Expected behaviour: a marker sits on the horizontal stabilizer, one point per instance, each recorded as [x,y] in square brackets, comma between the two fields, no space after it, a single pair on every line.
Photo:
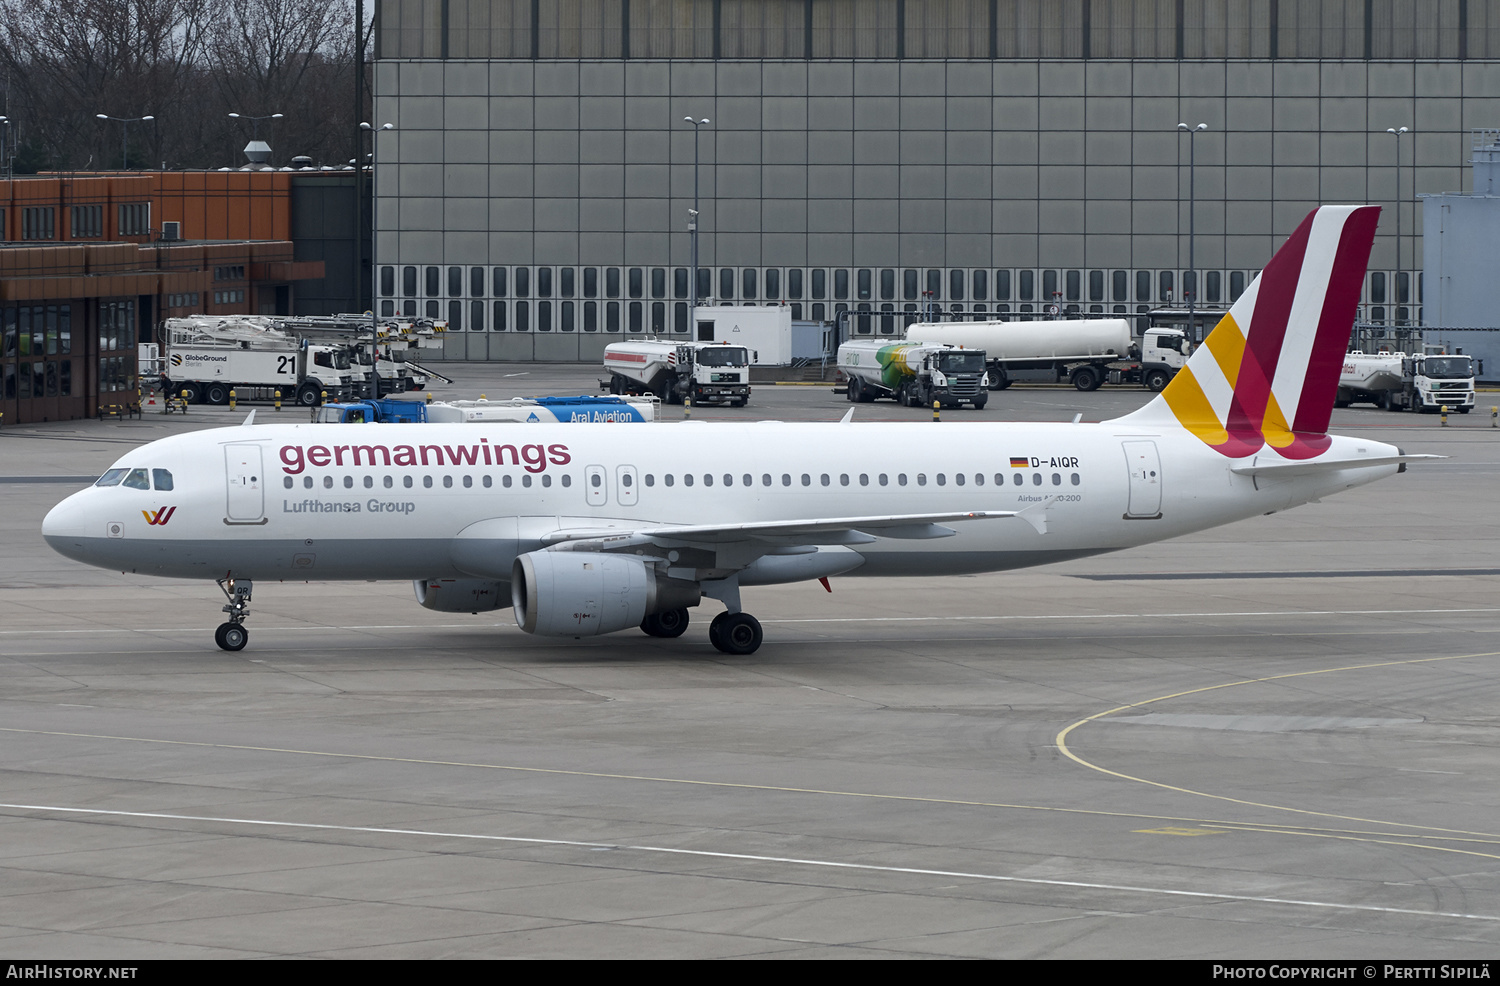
[1278,468]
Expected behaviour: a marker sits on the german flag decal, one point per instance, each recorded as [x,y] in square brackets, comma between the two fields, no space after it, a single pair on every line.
[1019,462]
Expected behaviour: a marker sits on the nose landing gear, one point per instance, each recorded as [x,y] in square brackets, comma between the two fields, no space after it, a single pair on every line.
[233,635]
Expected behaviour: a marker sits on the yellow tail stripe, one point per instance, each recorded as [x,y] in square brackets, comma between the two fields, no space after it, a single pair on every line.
[1193,411]
[1277,432]
[1227,345]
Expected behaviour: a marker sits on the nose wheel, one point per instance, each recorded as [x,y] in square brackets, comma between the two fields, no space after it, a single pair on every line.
[735,633]
[233,635]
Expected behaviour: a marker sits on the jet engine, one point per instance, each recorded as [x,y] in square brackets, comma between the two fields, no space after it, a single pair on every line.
[461,595]
[581,594]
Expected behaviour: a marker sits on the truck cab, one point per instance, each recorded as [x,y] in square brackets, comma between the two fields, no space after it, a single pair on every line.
[1440,381]
[367,412]
[717,373]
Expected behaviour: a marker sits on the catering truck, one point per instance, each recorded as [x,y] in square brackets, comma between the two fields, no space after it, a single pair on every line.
[1398,381]
[914,374]
[1087,352]
[702,372]
[207,356]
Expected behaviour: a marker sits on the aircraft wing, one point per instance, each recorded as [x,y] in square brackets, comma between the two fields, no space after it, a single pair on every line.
[819,530]
[1279,468]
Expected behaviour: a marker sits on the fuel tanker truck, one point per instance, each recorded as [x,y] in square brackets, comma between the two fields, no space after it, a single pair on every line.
[914,374]
[1087,352]
[1398,381]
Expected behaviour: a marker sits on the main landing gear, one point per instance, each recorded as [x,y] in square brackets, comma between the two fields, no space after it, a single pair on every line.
[731,633]
[233,636]
[735,633]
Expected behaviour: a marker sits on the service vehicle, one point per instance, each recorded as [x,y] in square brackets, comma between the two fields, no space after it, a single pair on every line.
[1401,381]
[1087,352]
[703,372]
[583,409]
[207,356]
[913,374]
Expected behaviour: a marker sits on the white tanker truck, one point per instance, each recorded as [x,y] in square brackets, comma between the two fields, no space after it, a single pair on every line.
[1397,381]
[914,374]
[1087,352]
[702,372]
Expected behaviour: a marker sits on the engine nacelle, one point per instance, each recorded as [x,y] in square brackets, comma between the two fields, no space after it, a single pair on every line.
[461,595]
[582,594]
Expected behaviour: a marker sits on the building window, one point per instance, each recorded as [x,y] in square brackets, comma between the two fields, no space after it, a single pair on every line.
[87,221]
[37,223]
[135,219]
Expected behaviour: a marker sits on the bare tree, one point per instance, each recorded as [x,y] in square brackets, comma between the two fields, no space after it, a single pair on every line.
[69,60]
[292,57]
[188,63]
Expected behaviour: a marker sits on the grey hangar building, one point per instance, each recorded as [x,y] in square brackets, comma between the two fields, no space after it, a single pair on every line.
[879,156]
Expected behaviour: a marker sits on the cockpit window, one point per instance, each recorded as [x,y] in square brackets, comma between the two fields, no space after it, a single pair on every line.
[137,480]
[112,478]
[162,478]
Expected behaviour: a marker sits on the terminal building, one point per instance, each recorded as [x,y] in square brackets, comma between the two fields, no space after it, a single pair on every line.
[90,265]
[878,155]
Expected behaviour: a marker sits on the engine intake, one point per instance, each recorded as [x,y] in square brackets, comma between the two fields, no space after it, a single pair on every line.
[461,595]
[582,594]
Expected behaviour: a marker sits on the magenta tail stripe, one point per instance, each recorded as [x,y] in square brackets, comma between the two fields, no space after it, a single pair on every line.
[1273,307]
[1344,285]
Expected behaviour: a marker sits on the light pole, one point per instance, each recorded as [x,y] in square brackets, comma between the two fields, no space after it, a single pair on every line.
[359,209]
[698,126]
[1192,296]
[255,122]
[125,122]
[252,147]
[1396,288]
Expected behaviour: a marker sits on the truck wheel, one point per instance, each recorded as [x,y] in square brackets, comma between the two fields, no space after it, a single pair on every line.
[1156,381]
[1464,409]
[216,393]
[1085,378]
[194,395]
[851,390]
[307,395]
[998,380]
[980,403]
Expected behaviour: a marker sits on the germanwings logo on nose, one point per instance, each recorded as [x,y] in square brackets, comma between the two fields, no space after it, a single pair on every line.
[159,517]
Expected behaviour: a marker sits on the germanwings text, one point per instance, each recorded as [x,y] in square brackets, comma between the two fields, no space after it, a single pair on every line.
[533,458]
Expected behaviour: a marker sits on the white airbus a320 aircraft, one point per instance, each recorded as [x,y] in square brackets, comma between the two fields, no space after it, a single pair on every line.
[590,530]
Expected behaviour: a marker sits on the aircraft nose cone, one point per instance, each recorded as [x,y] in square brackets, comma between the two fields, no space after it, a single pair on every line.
[66,526]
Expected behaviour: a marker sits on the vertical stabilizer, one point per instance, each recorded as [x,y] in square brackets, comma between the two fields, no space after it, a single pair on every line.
[1268,372]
